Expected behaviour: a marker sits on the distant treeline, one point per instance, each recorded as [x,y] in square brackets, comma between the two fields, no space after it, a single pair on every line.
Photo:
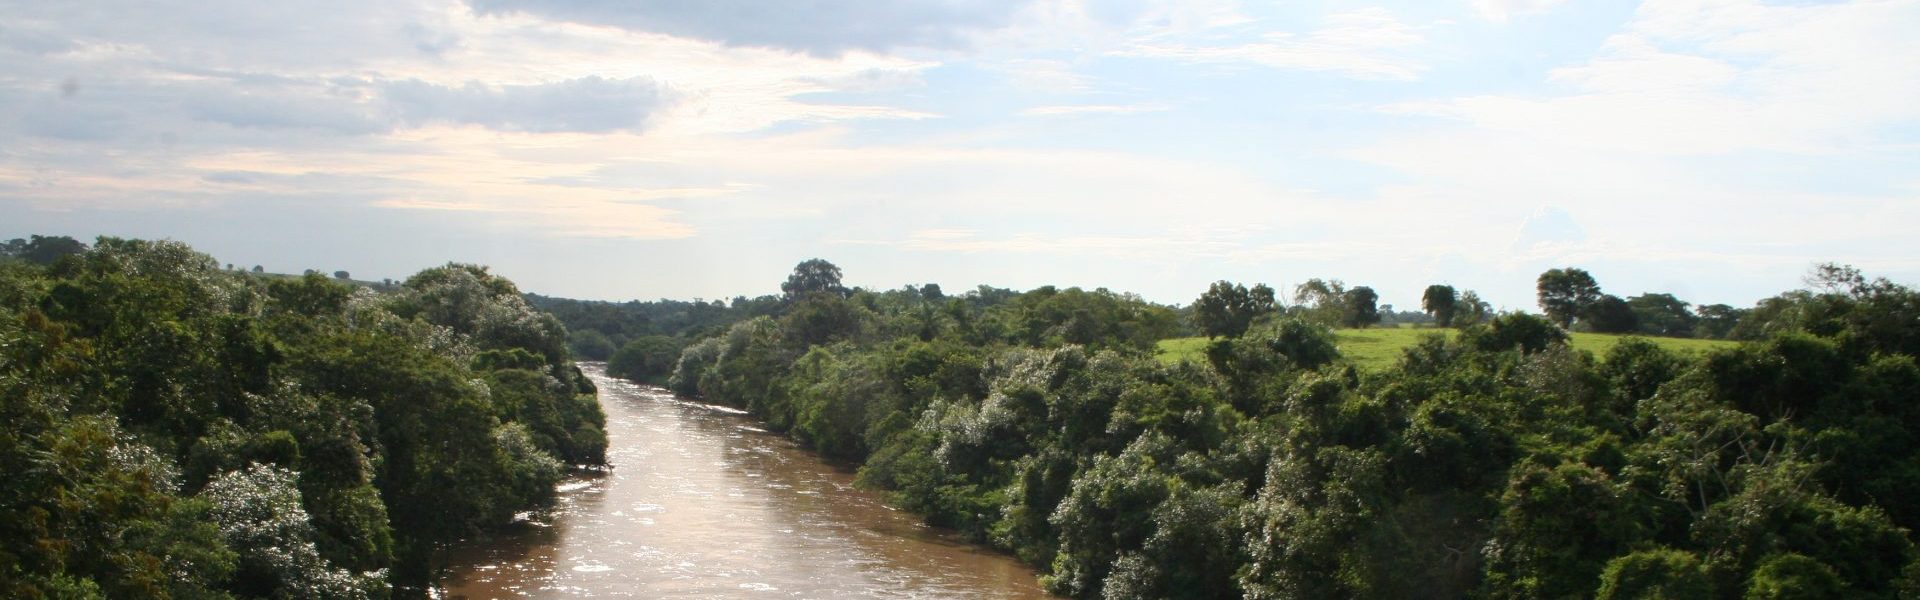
[643,341]
[173,429]
[1569,297]
[1498,464]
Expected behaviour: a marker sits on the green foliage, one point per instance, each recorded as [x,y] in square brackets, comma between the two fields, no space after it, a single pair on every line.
[813,276]
[1716,321]
[88,511]
[838,401]
[1565,294]
[1663,314]
[694,363]
[1472,309]
[1047,317]
[1513,331]
[1794,577]
[1610,314]
[1658,574]
[589,344]
[487,308]
[259,515]
[818,319]
[1107,513]
[649,359]
[1321,301]
[1381,348]
[1504,461]
[1557,528]
[173,429]
[41,250]
[1228,309]
[1358,310]
[1314,504]
[1250,364]
[1440,301]
[622,322]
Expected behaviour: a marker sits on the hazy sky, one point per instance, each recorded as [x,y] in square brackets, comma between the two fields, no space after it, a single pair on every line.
[618,149]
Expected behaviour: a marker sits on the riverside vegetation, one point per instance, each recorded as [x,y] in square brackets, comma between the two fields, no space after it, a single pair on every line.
[1498,462]
[173,429]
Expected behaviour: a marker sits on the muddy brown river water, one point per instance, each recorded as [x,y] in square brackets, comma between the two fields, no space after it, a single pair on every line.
[701,503]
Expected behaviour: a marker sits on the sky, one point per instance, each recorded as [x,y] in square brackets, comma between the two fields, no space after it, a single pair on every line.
[623,149]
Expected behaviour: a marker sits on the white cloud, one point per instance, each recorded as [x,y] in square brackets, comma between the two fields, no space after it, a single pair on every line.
[1500,11]
[587,104]
[816,27]
[1707,134]
[1366,44]
[1056,76]
[407,106]
[1093,109]
[1547,226]
[1183,244]
[1698,78]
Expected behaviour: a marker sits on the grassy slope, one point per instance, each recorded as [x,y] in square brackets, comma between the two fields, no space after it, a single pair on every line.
[1380,347]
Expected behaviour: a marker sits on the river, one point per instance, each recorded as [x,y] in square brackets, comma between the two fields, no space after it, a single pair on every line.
[701,503]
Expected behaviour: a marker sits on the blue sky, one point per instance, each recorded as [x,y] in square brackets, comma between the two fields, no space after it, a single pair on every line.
[618,149]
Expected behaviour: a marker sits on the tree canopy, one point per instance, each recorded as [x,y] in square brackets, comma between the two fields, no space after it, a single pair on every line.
[1440,301]
[1360,309]
[813,276]
[1565,293]
[1502,463]
[174,429]
[1227,309]
[41,250]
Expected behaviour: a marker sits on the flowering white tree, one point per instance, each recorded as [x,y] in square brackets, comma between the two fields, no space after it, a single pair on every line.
[259,514]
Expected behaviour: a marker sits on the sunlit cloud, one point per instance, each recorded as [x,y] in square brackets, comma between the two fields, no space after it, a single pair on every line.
[1153,146]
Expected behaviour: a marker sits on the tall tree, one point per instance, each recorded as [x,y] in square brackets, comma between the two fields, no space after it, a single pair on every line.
[813,276]
[1610,314]
[1360,308]
[1716,320]
[1565,293]
[1440,301]
[1228,309]
[1663,314]
[1471,309]
[1321,300]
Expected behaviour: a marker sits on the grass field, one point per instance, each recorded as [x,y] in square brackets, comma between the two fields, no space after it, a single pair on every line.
[1380,347]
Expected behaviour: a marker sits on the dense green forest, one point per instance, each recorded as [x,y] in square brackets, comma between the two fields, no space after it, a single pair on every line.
[1496,463]
[174,429]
